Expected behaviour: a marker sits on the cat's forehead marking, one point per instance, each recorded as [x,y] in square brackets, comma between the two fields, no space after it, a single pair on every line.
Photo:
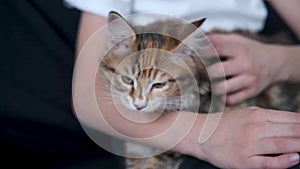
[152,74]
[154,40]
[146,73]
[147,61]
[150,40]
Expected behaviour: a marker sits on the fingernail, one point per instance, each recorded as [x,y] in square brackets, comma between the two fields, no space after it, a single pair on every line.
[294,158]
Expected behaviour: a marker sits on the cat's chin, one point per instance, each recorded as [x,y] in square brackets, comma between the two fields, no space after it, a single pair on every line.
[146,112]
[149,112]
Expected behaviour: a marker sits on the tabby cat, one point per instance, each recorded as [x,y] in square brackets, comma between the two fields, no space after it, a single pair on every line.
[156,68]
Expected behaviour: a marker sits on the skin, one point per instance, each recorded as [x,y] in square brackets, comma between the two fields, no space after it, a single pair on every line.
[248,61]
[256,131]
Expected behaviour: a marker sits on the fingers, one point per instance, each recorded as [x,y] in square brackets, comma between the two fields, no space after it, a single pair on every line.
[238,88]
[240,96]
[226,68]
[227,46]
[235,92]
[235,84]
[240,82]
[277,145]
[283,116]
[277,162]
[282,130]
[217,70]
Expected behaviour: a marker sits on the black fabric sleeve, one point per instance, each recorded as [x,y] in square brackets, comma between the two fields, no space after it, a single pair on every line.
[38,128]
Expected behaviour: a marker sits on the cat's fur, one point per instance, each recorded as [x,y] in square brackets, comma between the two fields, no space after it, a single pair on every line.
[152,80]
[171,73]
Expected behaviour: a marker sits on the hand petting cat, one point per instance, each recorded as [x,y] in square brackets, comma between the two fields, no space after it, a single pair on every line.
[253,66]
[246,65]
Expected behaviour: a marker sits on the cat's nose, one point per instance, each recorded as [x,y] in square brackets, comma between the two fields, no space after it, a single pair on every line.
[140,106]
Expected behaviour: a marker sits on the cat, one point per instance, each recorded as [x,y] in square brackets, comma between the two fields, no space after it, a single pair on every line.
[157,85]
[149,69]
[156,68]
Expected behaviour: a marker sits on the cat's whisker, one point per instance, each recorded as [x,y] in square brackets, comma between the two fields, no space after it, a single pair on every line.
[150,103]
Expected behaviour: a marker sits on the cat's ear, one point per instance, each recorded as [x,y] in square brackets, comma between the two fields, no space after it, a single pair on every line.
[193,45]
[192,42]
[120,33]
[199,22]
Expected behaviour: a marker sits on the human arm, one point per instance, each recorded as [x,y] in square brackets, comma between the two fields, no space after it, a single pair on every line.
[88,25]
[289,12]
[215,149]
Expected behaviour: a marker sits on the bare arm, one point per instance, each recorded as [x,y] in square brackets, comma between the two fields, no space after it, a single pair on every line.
[88,25]
[289,11]
[291,59]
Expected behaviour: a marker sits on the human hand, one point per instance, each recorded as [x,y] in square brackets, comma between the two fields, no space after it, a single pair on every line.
[251,65]
[246,138]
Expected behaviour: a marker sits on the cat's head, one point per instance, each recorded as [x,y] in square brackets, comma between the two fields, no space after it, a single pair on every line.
[149,71]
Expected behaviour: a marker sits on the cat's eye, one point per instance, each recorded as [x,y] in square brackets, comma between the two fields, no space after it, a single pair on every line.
[127,80]
[159,85]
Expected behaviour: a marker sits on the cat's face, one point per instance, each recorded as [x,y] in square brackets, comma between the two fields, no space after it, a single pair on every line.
[145,83]
[145,90]
[146,71]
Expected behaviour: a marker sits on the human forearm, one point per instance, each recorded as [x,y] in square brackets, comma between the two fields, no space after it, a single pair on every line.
[289,59]
[166,131]
[289,12]
[88,25]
